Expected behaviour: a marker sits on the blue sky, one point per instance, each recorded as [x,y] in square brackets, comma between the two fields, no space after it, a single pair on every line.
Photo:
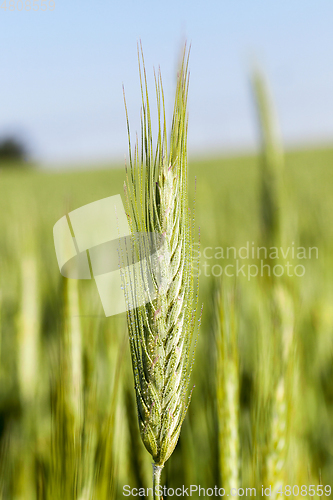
[62,72]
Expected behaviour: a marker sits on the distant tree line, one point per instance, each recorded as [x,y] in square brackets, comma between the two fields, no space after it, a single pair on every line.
[12,152]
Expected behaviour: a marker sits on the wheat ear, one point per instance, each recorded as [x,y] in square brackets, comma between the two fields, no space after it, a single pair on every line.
[278,443]
[228,392]
[272,161]
[161,331]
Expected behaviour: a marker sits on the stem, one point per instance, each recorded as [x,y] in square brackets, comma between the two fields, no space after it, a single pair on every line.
[157,469]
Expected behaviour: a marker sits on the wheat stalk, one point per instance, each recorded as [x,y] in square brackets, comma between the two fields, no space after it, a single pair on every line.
[161,331]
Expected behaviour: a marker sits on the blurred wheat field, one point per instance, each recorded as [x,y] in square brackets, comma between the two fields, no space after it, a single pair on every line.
[262,407]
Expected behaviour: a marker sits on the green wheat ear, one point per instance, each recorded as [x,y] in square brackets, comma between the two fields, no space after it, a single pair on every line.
[272,160]
[161,331]
[227,393]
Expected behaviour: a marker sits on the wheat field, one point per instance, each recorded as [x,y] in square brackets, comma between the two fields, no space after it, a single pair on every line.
[261,412]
